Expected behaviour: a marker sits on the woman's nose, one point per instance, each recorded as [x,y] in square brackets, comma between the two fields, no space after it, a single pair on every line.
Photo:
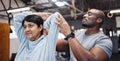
[26,29]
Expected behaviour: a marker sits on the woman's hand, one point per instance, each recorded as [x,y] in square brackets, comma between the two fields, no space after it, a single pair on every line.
[44,15]
[45,32]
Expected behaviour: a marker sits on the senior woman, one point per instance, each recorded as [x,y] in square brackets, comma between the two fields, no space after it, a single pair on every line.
[33,45]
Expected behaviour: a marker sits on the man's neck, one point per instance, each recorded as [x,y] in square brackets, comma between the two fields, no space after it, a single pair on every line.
[92,31]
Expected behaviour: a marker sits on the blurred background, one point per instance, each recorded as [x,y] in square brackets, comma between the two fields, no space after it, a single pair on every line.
[72,11]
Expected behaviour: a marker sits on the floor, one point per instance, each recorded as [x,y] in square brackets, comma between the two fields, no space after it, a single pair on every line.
[114,57]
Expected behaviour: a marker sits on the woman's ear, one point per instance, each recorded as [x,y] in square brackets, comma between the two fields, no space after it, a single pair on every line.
[99,20]
[41,27]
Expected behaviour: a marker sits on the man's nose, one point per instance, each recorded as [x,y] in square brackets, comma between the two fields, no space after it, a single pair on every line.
[85,15]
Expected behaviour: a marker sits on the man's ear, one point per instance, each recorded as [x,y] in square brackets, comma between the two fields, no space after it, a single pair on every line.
[99,20]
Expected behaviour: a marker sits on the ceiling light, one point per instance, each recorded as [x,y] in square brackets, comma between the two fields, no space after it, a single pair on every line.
[115,11]
[18,10]
[54,0]
[60,3]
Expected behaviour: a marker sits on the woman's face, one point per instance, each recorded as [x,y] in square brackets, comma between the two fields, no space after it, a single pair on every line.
[32,31]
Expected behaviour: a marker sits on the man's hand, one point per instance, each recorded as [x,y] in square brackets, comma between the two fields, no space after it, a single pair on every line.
[63,25]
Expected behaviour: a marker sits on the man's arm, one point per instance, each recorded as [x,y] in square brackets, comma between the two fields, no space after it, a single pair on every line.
[62,45]
[80,53]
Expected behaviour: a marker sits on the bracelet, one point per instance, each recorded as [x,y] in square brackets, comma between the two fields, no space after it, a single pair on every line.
[69,35]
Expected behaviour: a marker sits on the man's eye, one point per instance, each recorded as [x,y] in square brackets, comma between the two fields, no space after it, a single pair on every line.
[89,14]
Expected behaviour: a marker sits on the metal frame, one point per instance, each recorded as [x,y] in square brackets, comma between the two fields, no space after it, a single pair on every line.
[5,9]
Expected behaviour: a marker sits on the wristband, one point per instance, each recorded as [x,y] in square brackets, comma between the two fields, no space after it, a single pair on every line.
[69,36]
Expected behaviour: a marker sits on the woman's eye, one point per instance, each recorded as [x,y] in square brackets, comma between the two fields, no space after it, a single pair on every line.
[30,26]
[24,26]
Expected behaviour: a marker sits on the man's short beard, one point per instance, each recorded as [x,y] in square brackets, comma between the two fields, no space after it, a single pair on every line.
[87,26]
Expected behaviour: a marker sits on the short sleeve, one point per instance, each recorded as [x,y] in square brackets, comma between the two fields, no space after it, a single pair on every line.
[106,44]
